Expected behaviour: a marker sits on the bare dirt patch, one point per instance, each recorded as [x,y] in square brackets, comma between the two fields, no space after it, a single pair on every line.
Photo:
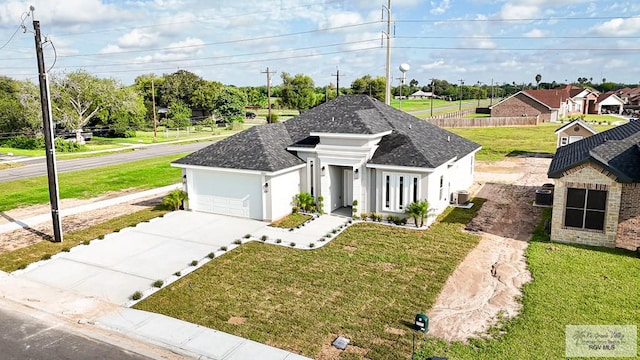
[237,320]
[16,239]
[488,282]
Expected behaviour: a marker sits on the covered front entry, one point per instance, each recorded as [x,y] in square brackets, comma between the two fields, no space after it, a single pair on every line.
[340,192]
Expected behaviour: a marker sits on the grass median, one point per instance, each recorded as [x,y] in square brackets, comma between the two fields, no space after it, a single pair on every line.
[366,284]
[82,184]
[20,258]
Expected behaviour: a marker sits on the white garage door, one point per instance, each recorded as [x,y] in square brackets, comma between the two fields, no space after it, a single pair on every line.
[226,193]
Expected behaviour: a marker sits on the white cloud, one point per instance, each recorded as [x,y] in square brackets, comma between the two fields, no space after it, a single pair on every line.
[440,7]
[534,33]
[138,39]
[342,19]
[511,11]
[619,27]
[433,65]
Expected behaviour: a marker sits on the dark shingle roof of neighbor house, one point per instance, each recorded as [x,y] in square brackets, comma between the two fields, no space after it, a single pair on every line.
[412,141]
[616,150]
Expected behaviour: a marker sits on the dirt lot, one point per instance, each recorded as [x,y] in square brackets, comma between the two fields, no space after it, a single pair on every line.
[24,237]
[487,284]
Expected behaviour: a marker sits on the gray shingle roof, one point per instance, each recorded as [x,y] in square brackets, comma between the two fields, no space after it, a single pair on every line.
[615,149]
[261,148]
[412,142]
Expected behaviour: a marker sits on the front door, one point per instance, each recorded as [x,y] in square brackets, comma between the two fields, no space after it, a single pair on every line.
[347,187]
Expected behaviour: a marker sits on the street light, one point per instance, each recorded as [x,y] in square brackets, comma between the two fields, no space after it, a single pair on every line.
[404,67]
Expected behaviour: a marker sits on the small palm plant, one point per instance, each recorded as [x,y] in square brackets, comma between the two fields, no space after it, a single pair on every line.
[418,211]
[174,199]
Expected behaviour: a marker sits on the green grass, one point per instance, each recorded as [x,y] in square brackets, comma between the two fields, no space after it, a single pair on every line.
[141,174]
[22,257]
[573,285]
[21,152]
[498,142]
[366,284]
[474,116]
[291,221]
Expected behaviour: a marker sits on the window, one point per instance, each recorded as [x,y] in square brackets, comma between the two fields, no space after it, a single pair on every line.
[311,177]
[564,141]
[441,187]
[399,190]
[573,139]
[585,209]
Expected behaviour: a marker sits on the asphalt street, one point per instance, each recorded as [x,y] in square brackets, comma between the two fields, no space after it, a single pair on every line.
[38,167]
[25,337]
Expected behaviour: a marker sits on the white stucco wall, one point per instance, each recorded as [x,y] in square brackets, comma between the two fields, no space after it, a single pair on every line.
[282,189]
[208,187]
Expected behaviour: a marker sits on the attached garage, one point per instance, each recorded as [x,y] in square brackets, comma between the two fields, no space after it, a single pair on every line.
[226,193]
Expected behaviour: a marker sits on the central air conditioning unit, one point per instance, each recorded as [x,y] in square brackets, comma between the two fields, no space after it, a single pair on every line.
[460,197]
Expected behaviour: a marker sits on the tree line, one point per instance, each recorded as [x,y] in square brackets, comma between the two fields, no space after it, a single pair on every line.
[81,100]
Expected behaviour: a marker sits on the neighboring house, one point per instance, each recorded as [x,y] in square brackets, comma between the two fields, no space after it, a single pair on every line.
[549,105]
[353,148]
[609,103]
[572,132]
[597,189]
[420,95]
[525,104]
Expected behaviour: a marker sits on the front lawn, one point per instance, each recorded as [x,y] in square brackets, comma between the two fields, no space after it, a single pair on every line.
[367,284]
[573,285]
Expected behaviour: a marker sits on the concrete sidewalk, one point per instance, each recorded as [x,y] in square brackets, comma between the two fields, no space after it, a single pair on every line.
[39,219]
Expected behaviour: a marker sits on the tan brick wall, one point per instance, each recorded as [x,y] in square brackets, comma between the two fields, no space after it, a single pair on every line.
[629,222]
[520,105]
[586,176]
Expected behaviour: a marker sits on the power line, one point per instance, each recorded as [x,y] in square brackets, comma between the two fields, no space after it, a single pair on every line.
[24,16]
[519,19]
[516,37]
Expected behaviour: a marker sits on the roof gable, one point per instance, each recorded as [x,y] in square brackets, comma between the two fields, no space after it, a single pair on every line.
[579,123]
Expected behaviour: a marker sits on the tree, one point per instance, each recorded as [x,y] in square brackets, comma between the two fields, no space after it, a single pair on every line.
[179,115]
[12,117]
[255,96]
[370,85]
[230,103]
[179,86]
[205,95]
[297,92]
[538,79]
[78,96]
[126,111]
[143,85]
[29,97]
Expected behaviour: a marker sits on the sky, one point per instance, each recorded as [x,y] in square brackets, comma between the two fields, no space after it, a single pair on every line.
[234,42]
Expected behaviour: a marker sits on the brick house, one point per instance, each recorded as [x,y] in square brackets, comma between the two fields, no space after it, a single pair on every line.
[597,189]
[549,105]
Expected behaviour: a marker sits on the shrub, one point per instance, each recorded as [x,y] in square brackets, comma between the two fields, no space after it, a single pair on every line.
[364,216]
[246,236]
[65,249]
[174,199]
[418,211]
[65,146]
[278,241]
[354,207]
[390,218]
[294,210]
[46,257]
[177,273]
[136,295]
[158,283]
[273,119]
[303,201]
[264,238]
[237,241]
[292,244]
[320,204]
[194,263]
[100,237]
[312,245]
[223,248]
[211,255]
[86,242]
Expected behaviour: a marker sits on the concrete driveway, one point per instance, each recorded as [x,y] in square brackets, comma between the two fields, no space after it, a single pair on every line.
[132,259]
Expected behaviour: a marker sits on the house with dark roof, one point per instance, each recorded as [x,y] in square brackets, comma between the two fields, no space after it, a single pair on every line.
[573,131]
[596,199]
[353,148]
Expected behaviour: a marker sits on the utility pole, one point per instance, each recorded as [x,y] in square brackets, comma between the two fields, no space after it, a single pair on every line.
[337,75]
[433,92]
[52,173]
[461,83]
[387,96]
[153,105]
[491,101]
[268,93]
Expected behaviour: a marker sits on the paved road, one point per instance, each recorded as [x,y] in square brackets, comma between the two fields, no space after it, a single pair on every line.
[25,337]
[38,167]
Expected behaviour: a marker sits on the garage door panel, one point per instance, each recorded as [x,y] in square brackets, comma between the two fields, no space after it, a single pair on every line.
[227,194]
